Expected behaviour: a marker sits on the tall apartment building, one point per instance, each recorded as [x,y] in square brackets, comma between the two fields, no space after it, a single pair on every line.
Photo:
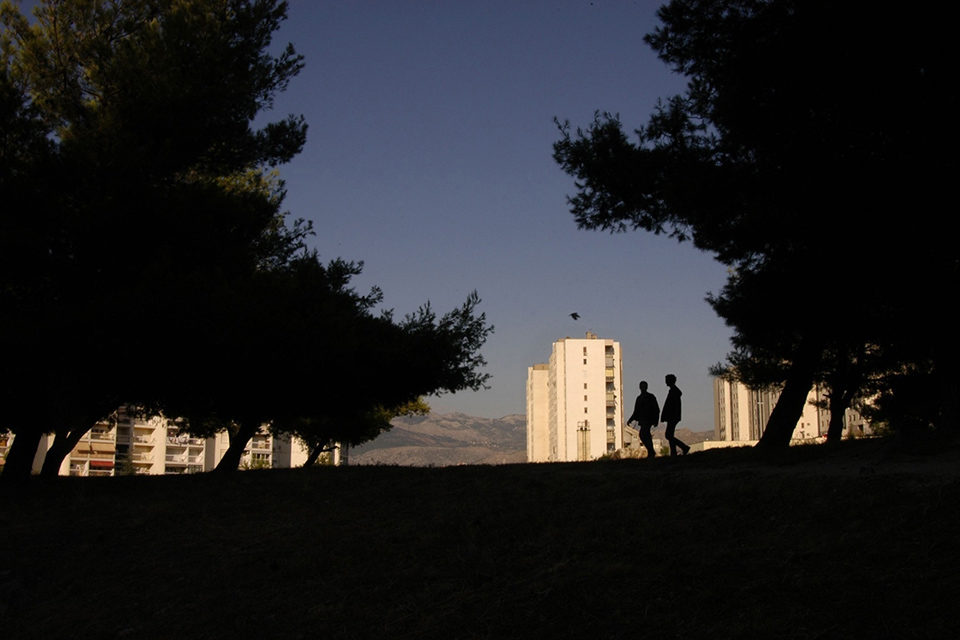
[740,414]
[575,401]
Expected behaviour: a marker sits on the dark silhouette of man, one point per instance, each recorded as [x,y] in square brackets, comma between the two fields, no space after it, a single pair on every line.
[646,413]
[671,415]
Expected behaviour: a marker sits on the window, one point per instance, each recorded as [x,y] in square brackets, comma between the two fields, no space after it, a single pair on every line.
[584,398]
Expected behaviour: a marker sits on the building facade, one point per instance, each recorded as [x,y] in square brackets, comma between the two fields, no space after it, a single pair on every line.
[740,414]
[538,413]
[130,444]
[574,401]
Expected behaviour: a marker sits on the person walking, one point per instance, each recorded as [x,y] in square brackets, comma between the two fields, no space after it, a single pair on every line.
[671,415]
[646,413]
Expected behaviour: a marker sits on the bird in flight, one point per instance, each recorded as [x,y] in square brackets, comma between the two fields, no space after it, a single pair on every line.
[575,316]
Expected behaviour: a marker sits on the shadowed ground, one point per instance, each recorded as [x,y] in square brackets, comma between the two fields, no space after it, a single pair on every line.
[856,541]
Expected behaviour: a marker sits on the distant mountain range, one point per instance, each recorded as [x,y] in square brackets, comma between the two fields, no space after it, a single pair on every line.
[445,439]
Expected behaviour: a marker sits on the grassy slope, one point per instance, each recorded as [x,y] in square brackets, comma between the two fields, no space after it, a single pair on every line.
[854,542]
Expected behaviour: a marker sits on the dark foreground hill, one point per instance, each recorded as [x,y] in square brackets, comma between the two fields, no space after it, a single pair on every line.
[859,541]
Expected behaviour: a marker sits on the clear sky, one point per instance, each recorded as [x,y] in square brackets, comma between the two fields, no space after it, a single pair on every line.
[429,158]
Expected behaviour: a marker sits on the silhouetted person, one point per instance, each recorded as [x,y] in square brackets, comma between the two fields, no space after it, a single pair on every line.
[646,413]
[671,415]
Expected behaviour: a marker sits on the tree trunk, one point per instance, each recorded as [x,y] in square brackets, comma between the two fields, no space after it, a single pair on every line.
[63,444]
[20,456]
[950,404]
[784,417]
[845,383]
[839,403]
[312,457]
[315,454]
[238,441]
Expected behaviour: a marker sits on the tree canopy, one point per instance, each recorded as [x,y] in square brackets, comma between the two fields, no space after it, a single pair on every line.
[301,353]
[138,194]
[145,256]
[807,153]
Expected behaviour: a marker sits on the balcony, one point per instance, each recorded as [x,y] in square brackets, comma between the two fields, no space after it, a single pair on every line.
[98,455]
[183,459]
[184,440]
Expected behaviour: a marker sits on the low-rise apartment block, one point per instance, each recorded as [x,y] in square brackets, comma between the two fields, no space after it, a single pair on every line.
[127,443]
[741,414]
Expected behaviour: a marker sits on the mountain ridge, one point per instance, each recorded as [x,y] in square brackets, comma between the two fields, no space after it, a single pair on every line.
[456,438]
[443,439]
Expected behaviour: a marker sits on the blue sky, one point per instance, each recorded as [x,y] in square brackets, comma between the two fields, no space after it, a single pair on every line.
[429,158]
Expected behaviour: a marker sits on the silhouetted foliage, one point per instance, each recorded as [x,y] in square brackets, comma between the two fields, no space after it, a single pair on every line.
[302,353]
[353,426]
[807,154]
[149,259]
[136,195]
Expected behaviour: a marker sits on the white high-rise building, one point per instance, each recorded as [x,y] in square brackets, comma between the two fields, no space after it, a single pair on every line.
[575,402]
